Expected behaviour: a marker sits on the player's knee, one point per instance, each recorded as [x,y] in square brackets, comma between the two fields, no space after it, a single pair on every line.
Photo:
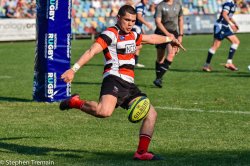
[237,42]
[171,56]
[235,46]
[212,50]
[104,112]
[152,113]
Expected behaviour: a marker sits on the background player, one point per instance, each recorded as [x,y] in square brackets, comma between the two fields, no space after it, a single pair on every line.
[140,13]
[225,27]
[169,22]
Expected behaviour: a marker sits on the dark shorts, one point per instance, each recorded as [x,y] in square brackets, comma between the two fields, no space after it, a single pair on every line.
[122,90]
[221,31]
[164,45]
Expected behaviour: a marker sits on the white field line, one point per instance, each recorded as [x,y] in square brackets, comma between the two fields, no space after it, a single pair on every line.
[5,77]
[200,110]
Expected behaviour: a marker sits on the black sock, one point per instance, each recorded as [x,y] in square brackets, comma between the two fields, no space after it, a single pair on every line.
[231,53]
[209,57]
[163,68]
[168,63]
[157,69]
[136,59]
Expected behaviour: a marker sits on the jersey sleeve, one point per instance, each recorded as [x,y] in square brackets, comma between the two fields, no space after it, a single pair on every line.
[104,40]
[158,11]
[181,11]
[138,39]
[226,7]
[139,9]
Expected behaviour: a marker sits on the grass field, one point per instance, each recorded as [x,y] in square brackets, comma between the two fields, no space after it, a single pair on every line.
[204,118]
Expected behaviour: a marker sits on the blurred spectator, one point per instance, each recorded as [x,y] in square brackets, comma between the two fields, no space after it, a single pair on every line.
[200,7]
[19,8]
[96,4]
[244,9]
[10,9]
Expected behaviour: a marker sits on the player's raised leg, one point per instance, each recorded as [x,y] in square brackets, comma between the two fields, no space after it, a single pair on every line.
[103,109]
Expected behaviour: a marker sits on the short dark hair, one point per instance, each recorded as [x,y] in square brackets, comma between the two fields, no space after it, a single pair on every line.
[126,9]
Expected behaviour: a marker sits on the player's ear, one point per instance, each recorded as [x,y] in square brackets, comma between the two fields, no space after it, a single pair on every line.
[118,17]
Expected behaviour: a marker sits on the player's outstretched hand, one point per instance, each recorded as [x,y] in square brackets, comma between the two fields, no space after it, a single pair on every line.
[68,76]
[177,43]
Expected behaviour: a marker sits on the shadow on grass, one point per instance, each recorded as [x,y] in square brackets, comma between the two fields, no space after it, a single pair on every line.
[14,99]
[241,75]
[33,150]
[87,157]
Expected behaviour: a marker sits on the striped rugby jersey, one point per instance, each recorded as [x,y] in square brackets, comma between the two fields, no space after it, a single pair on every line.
[119,51]
[140,8]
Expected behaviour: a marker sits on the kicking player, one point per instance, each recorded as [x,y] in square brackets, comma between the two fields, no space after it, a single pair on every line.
[118,44]
[169,22]
[225,27]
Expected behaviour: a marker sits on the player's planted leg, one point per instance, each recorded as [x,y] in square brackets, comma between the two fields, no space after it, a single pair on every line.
[146,133]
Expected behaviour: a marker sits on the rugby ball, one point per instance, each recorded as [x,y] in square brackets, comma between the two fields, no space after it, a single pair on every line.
[138,109]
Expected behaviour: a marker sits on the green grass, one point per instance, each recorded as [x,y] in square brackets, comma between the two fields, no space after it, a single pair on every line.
[204,118]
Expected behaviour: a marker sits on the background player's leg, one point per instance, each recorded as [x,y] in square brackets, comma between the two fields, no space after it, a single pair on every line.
[235,43]
[211,52]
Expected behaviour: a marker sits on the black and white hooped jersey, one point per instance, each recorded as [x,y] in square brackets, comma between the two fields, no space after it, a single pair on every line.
[119,51]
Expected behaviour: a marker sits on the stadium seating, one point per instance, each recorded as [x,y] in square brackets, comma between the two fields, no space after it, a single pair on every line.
[86,18]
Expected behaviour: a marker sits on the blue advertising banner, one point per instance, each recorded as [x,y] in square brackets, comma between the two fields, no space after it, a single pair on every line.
[53,50]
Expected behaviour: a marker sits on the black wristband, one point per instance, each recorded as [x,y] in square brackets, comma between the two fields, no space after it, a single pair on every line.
[181,34]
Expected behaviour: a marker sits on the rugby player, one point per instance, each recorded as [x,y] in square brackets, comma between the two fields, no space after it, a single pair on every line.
[118,44]
[169,22]
[225,27]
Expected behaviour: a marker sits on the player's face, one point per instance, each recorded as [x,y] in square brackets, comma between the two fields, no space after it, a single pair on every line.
[145,2]
[126,22]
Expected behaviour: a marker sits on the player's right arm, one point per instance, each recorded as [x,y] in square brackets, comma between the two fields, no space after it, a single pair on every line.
[69,74]
[142,20]
[161,27]
[230,21]
[158,19]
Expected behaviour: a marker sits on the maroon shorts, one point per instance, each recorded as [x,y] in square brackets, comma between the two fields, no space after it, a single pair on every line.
[121,89]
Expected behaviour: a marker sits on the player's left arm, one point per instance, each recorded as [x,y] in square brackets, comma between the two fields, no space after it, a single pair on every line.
[181,28]
[158,39]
